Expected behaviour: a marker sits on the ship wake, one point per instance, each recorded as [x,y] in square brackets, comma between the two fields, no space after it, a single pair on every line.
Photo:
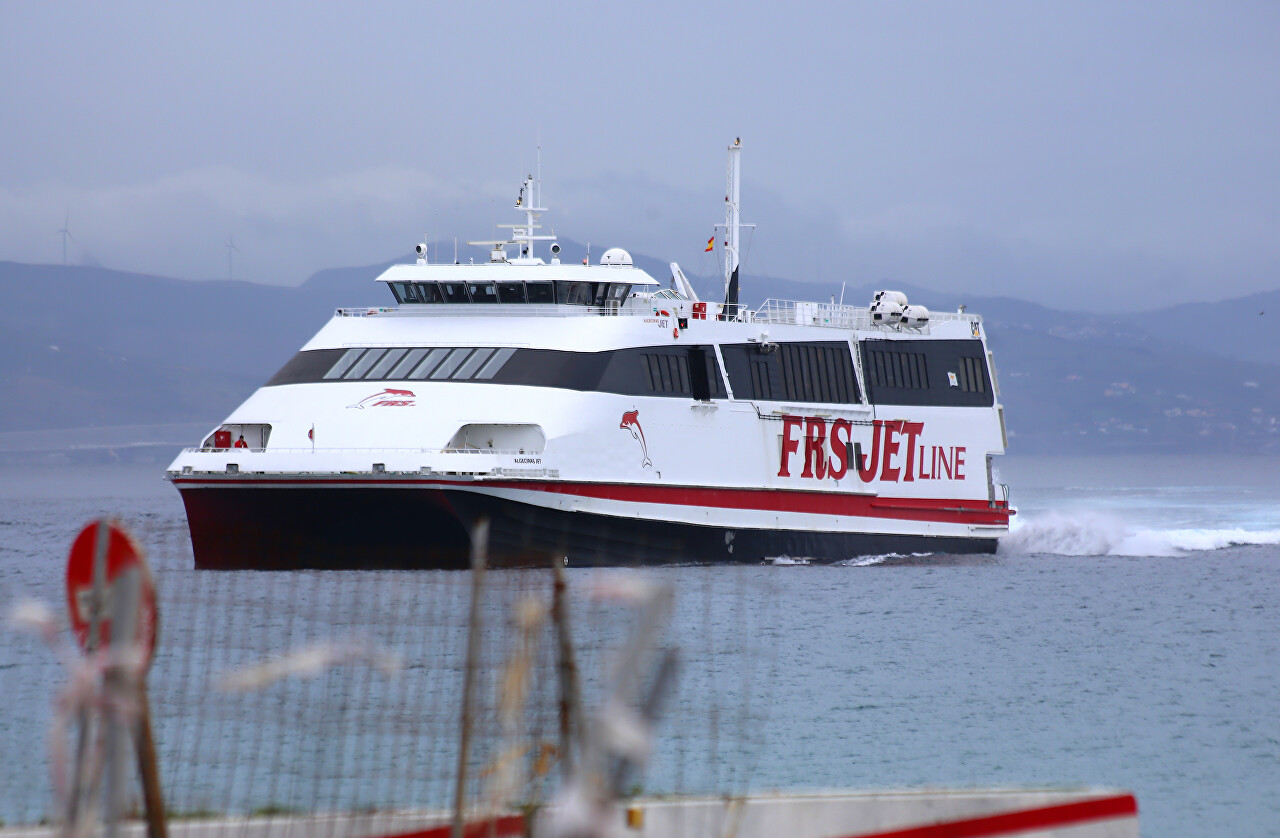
[1103,534]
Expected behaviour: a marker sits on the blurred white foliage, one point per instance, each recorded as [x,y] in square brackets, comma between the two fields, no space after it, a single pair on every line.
[308,662]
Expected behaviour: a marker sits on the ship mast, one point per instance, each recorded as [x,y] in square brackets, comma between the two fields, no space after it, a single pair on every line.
[529,201]
[733,233]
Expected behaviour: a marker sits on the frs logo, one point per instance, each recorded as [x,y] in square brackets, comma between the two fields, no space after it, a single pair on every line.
[895,455]
[631,422]
[387,398]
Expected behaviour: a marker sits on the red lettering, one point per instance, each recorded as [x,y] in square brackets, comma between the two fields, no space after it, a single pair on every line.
[912,431]
[815,459]
[839,449]
[789,445]
[867,472]
[959,452]
[924,475]
[941,455]
[891,429]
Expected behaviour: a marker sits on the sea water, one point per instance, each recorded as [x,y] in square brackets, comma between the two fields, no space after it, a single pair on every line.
[1126,634]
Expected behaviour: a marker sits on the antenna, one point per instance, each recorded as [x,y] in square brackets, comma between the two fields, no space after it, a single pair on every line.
[65,231]
[455,250]
[231,248]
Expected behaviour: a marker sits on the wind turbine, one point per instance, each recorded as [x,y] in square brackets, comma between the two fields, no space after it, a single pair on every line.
[65,231]
[231,248]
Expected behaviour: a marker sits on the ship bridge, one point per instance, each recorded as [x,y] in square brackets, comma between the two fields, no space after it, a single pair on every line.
[602,285]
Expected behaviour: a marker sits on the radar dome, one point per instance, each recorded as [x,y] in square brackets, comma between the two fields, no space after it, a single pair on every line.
[616,257]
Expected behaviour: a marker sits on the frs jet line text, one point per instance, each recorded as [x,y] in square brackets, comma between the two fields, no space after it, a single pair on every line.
[895,454]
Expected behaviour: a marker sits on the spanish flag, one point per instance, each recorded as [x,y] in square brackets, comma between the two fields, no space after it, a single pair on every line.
[711,243]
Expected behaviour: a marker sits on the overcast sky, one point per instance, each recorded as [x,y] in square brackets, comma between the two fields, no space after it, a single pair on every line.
[1066,153]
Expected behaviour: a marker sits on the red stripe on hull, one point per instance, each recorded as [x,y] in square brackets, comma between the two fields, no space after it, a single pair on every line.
[941,510]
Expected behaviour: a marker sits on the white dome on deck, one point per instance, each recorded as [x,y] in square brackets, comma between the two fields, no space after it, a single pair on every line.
[617,257]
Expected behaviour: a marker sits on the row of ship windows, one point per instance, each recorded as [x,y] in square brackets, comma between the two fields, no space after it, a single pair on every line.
[560,292]
[820,372]
[454,364]
[910,371]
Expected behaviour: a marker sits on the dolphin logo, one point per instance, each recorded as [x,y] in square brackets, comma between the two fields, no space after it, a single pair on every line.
[631,422]
[386,398]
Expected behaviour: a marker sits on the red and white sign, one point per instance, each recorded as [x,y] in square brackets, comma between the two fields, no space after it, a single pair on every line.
[122,553]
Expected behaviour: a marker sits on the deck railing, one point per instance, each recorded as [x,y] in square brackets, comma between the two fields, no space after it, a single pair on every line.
[771,311]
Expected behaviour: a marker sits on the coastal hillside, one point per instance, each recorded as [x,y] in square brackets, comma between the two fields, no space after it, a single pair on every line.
[91,347]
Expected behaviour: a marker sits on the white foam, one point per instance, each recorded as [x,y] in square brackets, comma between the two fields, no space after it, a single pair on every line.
[1105,534]
[868,561]
[786,561]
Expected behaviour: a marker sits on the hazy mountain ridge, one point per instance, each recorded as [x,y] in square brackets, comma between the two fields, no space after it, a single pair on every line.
[91,347]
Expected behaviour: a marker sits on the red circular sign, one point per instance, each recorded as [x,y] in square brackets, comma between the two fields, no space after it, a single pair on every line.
[122,553]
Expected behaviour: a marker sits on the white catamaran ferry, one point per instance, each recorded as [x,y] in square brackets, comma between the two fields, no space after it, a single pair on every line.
[595,417]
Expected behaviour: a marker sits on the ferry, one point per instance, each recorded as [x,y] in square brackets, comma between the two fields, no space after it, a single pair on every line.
[593,415]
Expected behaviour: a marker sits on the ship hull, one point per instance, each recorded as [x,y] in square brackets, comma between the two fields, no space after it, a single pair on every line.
[340,524]
[323,527]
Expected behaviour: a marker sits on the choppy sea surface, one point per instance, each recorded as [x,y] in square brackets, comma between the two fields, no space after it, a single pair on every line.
[1126,634]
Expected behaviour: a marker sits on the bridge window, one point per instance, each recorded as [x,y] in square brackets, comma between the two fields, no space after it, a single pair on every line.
[454,292]
[574,293]
[429,292]
[540,292]
[511,292]
[483,292]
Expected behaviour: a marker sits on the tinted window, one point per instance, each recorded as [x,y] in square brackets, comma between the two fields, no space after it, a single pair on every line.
[483,292]
[428,292]
[404,292]
[818,372]
[511,292]
[429,363]
[314,365]
[574,293]
[454,292]
[362,366]
[474,361]
[927,372]
[494,364]
[343,364]
[406,365]
[451,362]
[679,371]
[540,292]
[386,362]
